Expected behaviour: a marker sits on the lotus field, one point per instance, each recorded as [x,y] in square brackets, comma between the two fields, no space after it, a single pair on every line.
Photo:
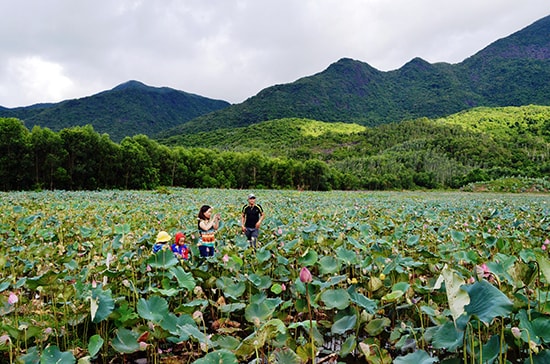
[350,277]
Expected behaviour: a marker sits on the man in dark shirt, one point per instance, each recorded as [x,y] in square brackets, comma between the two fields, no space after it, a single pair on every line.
[252,216]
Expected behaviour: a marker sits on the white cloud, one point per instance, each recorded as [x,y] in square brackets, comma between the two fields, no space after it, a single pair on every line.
[231,50]
[38,79]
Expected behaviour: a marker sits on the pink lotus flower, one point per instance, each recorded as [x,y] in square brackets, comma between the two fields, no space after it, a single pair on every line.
[305,275]
[13,299]
[484,272]
[283,287]
[225,258]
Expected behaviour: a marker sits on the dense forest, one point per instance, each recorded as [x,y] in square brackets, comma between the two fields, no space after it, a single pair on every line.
[477,145]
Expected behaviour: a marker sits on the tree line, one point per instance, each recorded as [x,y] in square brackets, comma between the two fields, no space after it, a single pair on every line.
[407,155]
[78,158]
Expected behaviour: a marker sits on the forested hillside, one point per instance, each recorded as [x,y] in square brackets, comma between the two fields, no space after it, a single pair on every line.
[512,71]
[129,109]
[477,145]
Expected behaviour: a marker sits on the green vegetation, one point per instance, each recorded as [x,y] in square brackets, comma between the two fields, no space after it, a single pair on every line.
[510,184]
[411,277]
[129,109]
[480,145]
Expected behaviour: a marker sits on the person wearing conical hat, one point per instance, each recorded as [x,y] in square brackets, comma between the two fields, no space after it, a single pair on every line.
[162,238]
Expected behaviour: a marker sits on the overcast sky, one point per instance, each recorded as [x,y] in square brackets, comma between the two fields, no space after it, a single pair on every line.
[53,50]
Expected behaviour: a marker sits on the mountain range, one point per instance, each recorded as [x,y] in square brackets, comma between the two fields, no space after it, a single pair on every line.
[128,109]
[511,71]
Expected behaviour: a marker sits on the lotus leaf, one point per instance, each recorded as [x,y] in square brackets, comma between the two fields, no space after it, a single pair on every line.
[227,342]
[413,240]
[377,325]
[102,304]
[374,284]
[232,307]
[186,331]
[163,259]
[256,279]
[355,243]
[344,324]
[346,256]
[544,265]
[328,265]
[276,288]
[542,357]
[456,297]
[123,229]
[359,299]
[154,309]
[348,346]
[263,255]
[94,345]
[535,327]
[308,259]
[457,236]
[185,279]
[257,313]
[230,288]
[490,350]
[43,280]
[448,337]
[285,356]
[31,357]
[125,341]
[486,301]
[260,337]
[52,355]
[4,285]
[335,298]
[392,296]
[310,229]
[418,357]
[173,323]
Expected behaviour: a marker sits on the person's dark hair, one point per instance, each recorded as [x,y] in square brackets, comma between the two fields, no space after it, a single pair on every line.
[203,209]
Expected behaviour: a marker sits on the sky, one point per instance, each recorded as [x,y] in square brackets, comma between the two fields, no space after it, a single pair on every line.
[231,49]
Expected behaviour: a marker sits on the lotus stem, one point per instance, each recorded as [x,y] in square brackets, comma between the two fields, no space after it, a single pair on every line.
[310,326]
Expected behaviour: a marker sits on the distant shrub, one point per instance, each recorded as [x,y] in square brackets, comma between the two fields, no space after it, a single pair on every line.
[163,190]
[510,184]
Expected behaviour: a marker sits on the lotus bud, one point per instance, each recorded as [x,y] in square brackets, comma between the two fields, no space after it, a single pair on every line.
[197,316]
[516,332]
[305,275]
[12,299]
[5,340]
